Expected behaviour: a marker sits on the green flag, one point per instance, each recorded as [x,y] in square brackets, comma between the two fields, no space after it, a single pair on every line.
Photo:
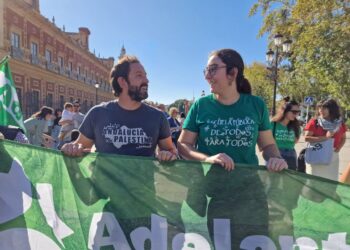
[104,201]
[10,110]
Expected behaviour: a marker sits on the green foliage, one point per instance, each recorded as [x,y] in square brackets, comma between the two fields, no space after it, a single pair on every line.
[262,85]
[179,104]
[320,31]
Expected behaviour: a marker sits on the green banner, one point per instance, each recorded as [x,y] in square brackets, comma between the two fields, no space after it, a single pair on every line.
[10,109]
[100,201]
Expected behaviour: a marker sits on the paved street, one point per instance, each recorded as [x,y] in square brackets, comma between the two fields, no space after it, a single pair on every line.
[344,156]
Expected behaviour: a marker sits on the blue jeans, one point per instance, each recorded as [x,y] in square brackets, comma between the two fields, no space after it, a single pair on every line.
[290,156]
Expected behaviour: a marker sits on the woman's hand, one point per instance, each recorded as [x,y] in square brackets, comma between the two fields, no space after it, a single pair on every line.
[329,134]
[222,159]
[275,164]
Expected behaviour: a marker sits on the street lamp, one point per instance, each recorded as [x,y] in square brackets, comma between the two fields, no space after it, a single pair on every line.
[203,93]
[273,59]
[97,85]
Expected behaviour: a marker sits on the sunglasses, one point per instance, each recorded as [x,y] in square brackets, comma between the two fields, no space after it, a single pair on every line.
[295,112]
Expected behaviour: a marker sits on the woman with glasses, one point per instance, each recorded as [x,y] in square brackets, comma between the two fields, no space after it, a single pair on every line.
[286,130]
[327,124]
[223,129]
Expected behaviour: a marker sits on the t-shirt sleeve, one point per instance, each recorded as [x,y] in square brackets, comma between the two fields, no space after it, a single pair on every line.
[87,127]
[190,121]
[265,123]
[164,130]
[310,126]
[66,115]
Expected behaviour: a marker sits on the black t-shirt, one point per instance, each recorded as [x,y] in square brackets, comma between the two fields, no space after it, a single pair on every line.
[125,132]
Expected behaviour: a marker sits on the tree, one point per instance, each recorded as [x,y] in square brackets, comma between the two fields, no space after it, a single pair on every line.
[320,30]
[179,104]
[262,85]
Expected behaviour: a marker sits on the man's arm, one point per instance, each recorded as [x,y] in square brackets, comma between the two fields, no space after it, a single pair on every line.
[167,150]
[78,147]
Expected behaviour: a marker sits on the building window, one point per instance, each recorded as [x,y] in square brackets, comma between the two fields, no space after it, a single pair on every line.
[78,70]
[48,56]
[70,65]
[60,61]
[71,99]
[49,99]
[34,49]
[15,40]
[61,101]
[35,100]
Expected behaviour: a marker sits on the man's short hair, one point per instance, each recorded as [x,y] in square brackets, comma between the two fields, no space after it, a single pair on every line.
[121,69]
[68,105]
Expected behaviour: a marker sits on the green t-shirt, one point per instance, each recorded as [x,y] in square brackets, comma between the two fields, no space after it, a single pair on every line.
[231,129]
[285,138]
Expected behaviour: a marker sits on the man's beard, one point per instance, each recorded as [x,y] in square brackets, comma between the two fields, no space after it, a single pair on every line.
[136,94]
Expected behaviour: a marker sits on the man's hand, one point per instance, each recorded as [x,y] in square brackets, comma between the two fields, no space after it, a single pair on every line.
[276,164]
[73,149]
[164,155]
[222,159]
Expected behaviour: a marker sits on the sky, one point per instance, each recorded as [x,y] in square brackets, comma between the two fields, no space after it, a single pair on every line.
[172,39]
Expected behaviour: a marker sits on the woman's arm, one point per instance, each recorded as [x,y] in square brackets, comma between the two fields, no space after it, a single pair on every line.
[185,145]
[270,151]
[310,137]
[186,148]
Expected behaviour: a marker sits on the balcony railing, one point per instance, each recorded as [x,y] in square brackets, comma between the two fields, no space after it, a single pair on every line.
[34,59]
[51,66]
[61,70]
[17,53]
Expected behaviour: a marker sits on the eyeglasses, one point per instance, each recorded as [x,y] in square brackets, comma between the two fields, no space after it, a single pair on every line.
[295,112]
[211,70]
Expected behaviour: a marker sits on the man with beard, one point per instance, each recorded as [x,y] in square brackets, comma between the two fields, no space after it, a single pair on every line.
[125,126]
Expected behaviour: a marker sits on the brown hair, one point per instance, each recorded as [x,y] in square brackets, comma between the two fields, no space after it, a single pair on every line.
[332,106]
[43,112]
[233,59]
[68,105]
[121,69]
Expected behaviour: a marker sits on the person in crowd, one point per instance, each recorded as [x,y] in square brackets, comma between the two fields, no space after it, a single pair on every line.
[13,133]
[223,129]
[126,126]
[35,125]
[66,122]
[162,108]
[102,123]
[286,130]
[182,118]
[56,127]
[326,124]
[175,126]
[77,117]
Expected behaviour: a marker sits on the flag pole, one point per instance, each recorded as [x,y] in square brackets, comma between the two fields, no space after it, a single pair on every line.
[5,59]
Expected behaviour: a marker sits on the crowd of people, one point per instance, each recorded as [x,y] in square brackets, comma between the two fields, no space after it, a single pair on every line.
[223,128]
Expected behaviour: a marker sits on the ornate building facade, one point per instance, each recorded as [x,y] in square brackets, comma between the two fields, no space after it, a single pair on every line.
[49,65]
